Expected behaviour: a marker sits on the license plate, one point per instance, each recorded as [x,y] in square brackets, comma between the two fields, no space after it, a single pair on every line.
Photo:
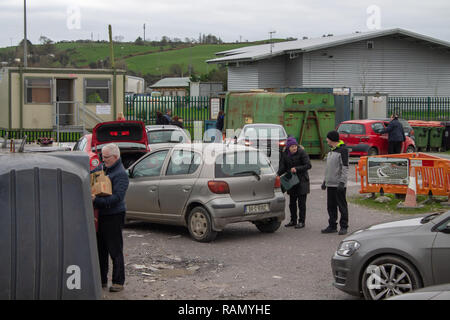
[257,208]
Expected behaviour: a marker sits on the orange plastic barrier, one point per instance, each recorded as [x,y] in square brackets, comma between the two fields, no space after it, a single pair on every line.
[432,175]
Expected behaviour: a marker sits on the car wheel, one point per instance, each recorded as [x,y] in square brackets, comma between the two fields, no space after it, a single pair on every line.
[200,226]
[389,276]
[410,149]
[372,152]
[268,226]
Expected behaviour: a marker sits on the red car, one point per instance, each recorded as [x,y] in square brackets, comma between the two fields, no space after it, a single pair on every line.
[130,137]
[363,137]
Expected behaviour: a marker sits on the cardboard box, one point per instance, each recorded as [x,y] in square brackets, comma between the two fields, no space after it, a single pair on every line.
[100,184]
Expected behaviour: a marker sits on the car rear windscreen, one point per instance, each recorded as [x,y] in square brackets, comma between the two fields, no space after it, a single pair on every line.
[119,132]
[268,132]
[352,128]
[241,163]
[165,136]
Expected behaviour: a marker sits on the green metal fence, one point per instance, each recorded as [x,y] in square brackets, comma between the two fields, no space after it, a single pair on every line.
[191,110]
[34,134]
[420,108]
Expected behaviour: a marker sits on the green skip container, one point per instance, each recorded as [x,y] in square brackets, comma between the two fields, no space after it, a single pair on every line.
[306,116]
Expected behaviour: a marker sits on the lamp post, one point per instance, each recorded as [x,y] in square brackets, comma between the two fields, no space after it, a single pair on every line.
[25,62]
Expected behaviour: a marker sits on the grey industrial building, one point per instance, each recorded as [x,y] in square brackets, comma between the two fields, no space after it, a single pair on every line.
[395,62]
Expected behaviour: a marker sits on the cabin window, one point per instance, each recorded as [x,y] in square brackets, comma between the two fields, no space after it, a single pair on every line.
[97,91]
[38,90]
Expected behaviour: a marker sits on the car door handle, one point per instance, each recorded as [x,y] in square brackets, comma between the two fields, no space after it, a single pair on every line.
[187,188]
[152,189]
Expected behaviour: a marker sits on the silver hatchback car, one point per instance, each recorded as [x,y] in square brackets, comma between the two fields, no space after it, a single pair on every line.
[205,187]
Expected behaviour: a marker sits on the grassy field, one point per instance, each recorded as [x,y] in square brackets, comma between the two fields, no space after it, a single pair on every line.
[392,205]
[160,62]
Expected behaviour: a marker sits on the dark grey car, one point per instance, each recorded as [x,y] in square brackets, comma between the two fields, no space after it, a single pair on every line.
[394,258]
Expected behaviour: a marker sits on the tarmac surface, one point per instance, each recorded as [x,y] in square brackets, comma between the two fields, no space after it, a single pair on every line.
[164,263]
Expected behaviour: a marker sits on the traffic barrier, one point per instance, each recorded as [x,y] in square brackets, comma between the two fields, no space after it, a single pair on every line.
[431,174]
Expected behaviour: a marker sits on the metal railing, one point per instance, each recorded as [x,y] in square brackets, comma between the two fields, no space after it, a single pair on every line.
[420,108]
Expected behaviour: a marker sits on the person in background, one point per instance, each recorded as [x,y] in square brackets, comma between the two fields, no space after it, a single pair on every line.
[176,122]
[111,210]
[220,121]
[168,117]
[335,182]
[159,118]
[296,161]
[396,135]
[120,116]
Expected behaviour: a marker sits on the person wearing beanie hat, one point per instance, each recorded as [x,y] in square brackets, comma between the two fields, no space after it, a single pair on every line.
[335,183]
[295,160]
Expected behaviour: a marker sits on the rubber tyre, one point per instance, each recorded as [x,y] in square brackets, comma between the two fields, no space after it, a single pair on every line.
[410,149]
[200,226]
[408,277]
[268,226]
[372,152]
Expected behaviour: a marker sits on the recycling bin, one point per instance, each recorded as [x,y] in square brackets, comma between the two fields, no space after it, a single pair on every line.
[48,246]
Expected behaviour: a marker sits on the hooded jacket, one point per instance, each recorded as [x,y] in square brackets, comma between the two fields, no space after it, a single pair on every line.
[337,166]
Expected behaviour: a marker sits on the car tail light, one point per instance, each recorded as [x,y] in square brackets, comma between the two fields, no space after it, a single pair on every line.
[282,143]
[219,187]
[94,162]
[247,143]
[411,133]
[277,183]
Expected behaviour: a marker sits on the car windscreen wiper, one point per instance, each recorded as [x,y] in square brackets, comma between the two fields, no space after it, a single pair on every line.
[253,172]
[430,217]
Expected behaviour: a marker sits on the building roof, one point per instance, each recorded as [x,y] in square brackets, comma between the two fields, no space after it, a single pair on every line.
[172,83]
[260,52]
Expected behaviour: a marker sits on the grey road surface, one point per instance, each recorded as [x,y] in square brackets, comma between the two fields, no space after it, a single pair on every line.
[163,262]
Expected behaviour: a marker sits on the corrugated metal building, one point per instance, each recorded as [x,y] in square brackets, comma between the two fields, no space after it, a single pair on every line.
[394,62]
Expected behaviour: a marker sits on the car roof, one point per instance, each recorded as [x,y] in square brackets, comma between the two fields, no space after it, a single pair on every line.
[263,125]
[364,121]
[216,148]
[162,126]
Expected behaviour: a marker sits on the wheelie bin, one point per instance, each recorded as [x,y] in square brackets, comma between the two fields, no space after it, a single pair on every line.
[436,135]
[421,134]
[446,135]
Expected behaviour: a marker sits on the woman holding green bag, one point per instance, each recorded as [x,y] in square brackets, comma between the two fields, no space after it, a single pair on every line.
[295,160]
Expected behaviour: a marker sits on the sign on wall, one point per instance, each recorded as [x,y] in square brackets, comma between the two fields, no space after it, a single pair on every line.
[215,108]
[103,109]
[388,170]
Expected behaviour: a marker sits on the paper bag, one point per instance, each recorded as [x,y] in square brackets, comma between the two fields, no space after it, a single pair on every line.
[100,184]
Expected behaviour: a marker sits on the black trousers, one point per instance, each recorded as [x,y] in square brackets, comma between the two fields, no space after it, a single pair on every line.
[395,147]
[300,200]
[337,199]
[110,243]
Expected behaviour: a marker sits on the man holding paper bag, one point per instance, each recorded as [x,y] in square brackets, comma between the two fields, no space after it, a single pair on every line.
[295,161]
[111,219]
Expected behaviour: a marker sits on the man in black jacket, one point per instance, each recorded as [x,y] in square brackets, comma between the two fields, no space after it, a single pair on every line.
[396,135]
[111,219]
[296,161]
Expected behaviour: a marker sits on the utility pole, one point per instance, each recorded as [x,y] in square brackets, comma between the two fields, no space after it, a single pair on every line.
[144,32]
[271,44]
[25,62]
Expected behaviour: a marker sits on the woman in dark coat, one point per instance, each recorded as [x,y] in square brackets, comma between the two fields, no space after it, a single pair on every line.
[295,160]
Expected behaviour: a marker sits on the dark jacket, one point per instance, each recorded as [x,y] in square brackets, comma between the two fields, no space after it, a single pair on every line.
[167,119]
[160,119]
[177,123]
[219,123]
[395,130]
[114,203]
[299,161]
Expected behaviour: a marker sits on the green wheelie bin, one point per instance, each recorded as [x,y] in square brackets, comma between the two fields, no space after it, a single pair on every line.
[421,134]
[436,136]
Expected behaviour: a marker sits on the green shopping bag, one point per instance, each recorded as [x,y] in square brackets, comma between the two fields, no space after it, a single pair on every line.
[289,180]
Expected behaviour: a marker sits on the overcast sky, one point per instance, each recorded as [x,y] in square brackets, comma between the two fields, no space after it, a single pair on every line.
[230,20]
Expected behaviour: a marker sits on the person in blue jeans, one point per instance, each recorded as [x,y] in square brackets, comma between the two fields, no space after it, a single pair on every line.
[111,219]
